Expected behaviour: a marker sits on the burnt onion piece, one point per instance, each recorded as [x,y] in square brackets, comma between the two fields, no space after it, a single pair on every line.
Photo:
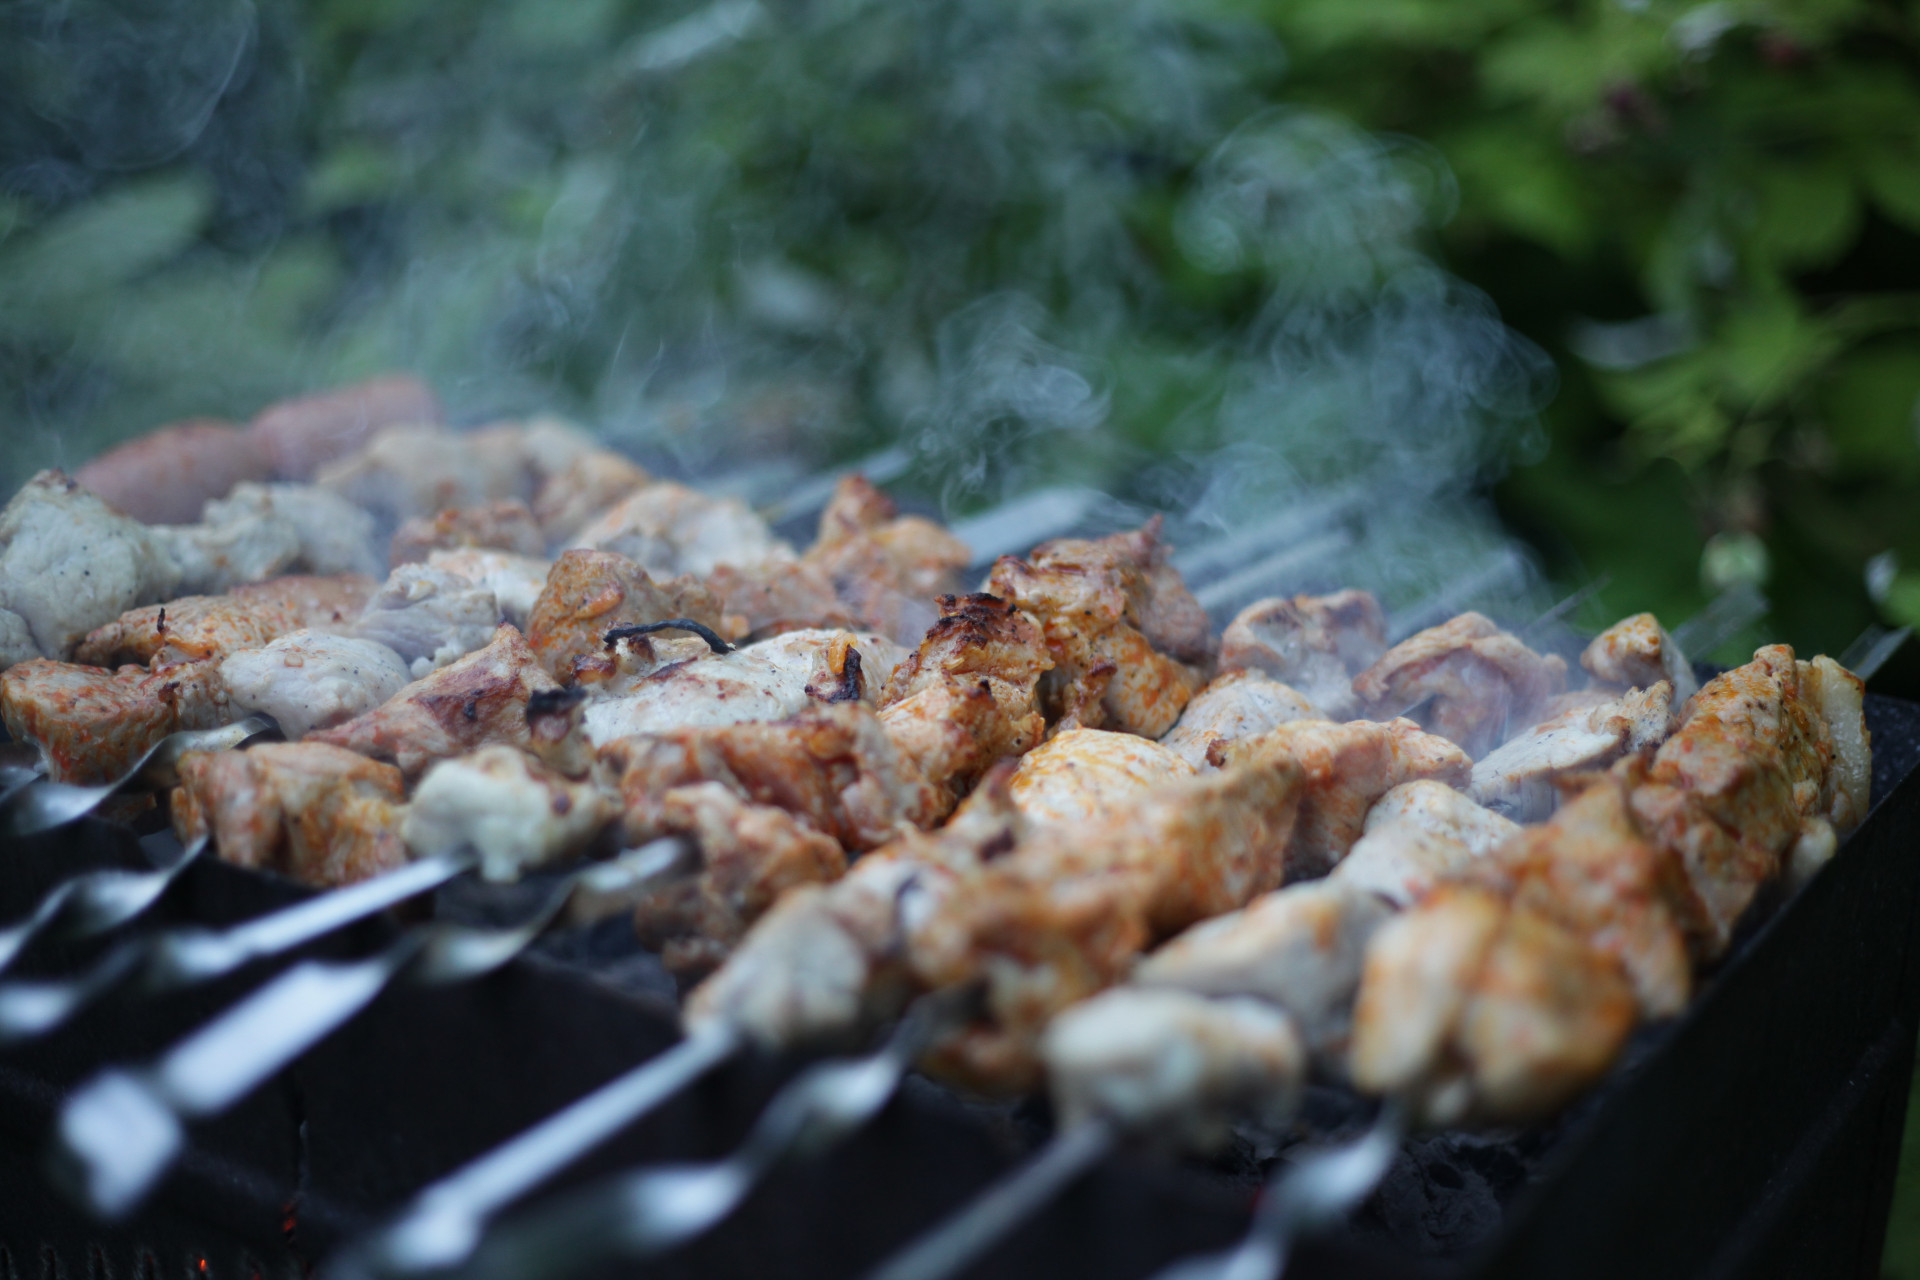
[714,642]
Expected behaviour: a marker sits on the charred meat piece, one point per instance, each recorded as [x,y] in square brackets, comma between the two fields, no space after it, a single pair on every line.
[69,563]
[208,628]
[886,569]
[770,680]
[670,529]
[1315,644]
[90,724]
[1417,835]
[299,435]
[1299,948]
[168,474]
[480,699]
[1174,1067]
[1638,653]
[1748,781]
[313,812]
[750,855]
[1077,775]
[1465,679]
[589,593]
[832,765]
[309,680]
[507,525]
[967,698]
[1120,624]
[514,811]
[1477,1008]
[1518,776]
[1344,769]
[1235,705]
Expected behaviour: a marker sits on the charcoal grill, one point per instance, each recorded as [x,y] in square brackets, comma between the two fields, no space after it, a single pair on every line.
[1756,1136]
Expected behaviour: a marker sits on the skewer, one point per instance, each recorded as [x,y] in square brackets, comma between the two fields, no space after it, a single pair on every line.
[120,1132]
[1871,649]
[95,902]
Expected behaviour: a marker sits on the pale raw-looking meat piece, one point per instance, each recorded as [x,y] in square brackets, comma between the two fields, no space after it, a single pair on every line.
[828,961]
[1298,948]
[515,580]
[968,697]
[507,525]
[831,764]
[16,640]
[750,855]
[215,558]
[1465,679]
[1417,835]
[515,812]
[69,563]
[333,536]
[416,469]
[886,568]
[309,680]
[480,699]
[1315,644]
[1475,1009]
[1120,624]
[166,475]
[298,435]
[316,813]
[205,628]
[589,593]
[90,724]
[1175,1068]
[1345,767]
[770,680]
[1236,705]
[1638,653]
[1075,776]
[1518,777]
[670,529]
[429,616]
[1591,870]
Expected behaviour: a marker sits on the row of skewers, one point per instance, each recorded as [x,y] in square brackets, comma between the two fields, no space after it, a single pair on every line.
[1054,829]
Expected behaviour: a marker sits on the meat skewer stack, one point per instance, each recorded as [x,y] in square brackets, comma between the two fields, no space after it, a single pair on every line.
[887,791]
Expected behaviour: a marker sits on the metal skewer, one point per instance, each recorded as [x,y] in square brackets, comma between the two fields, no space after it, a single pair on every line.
[1871,649]
[95,902]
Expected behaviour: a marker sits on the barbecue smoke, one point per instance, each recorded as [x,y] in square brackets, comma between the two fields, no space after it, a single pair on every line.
[1069,242]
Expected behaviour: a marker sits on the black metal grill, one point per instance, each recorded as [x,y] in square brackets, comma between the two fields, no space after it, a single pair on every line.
[1757,1135]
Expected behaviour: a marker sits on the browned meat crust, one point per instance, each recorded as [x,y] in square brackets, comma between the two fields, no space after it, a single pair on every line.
[589,593]
[887,569]
[504,526]
[207,628]
[317,813]
[91,724]
[480,699]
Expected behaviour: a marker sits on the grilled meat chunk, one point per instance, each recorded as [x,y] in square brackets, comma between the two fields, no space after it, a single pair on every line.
[1478,1008]
[507,525]
[1172,1066]
[831,764]
[1465,679]
[416,469]
[428,616]
[1747,780]
[478,700]
[580,488]
[887,569]
[589,593]
[1298,948]
[90,725]
[16,640]
[670,529]
[516,581]
[1121,627]
[1345,768]
[208,628]
[309,680]
[316,813]
[765,599]
[516,812]
[1235,705]
[1077,775]
[260,531]
[1638,653]
[168,474]
[297,436]
[69,563]
[750,855]
[1315,644]
[968,696]
[770,680]
[1518,776]
[1417,835]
